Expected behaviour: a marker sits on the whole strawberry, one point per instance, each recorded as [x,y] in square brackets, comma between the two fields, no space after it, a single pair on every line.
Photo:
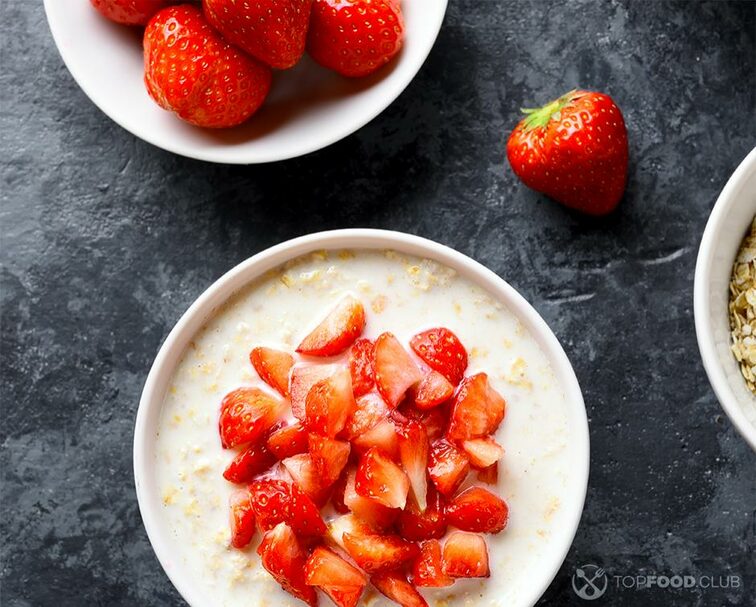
[130,12]
[574,150]
[192,71]
[355,37]
[272,31]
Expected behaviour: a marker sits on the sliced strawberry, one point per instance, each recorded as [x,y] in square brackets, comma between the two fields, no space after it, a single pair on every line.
[242,518]
[367,509]
[477,509]
[374,553]
[246,413]
[348,523]
[369,410]
[285,559]
[342,582]
[288,440]
[271,501]
[395,586]
[361,366]
[329,403]
[489,475]
[305,517]
[433,390]
[413,453]
[382,436]
[483,452]
[416,526]
[302,470]
[448,466]
[248,463]
[427,570]
[379,478]
[329,457]
[443,351]
[337,331]
[477,410]
[273,367]
[465,555]
[435,421]
[303,378]
[395,371]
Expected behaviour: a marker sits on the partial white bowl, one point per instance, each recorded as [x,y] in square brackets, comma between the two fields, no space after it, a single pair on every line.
[729,222]
[308,109]
[148,416]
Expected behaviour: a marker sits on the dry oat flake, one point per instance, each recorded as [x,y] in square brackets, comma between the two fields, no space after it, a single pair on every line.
[743,307]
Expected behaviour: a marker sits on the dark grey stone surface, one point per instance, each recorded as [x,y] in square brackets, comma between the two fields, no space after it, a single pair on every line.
[107,240]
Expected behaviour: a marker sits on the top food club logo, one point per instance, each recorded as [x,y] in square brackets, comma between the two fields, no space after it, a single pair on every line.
[590,582]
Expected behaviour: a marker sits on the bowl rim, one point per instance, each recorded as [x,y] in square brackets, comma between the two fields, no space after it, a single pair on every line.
[306,145]
[701,305]
[354,238]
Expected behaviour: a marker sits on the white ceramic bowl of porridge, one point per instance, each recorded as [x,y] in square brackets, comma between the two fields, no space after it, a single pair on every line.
[408,284]
[729,222]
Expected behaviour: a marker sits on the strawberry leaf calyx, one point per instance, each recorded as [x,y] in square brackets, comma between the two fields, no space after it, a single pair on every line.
[540,117]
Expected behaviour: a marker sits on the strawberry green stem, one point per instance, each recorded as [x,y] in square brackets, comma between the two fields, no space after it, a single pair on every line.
[539,117]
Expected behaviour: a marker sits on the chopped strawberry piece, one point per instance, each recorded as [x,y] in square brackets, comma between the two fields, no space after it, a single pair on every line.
[285,559]
[427,570]
[369,510]
[248,463]
[382,435]
[477,410]
[465,555]
[337,331]
[342,582]
[302,470]
[442,351]
[477,509]
[288,440]
[337,495]
[416,526]
[242,518]
[329,403]
[348,523]
[489,475]
[273,367]
[304,516]
[374,553]
[379,478]
[413,453]
[483,452]
[329,457]
[361,366]
[433,390]
[395,371]
[271,501]
[395,586]
[246,413]
[303,378]
[369,410]
[435,421]
[448,466]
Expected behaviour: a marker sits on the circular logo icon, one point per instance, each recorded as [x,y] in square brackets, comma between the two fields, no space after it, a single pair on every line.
[590,582]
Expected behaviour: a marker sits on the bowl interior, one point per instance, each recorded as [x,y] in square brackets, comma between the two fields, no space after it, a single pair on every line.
[174,346]
[729,222]
[309,107]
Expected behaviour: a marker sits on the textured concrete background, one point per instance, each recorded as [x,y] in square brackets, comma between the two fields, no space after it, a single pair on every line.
[107,240]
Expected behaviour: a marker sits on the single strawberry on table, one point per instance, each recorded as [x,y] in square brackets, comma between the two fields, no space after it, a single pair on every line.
[130,12]
[355,37]
[272,31]
[192,71]
[574,150]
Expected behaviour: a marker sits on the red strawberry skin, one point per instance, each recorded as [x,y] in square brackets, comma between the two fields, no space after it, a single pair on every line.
[574,150]
[443,351]
[272,31]
[246,413]
[285,559]
[355,37]
[130,12]
[192,71]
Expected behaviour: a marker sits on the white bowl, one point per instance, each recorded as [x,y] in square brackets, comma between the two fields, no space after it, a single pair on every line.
[168,357]
[308,109]
[729,222]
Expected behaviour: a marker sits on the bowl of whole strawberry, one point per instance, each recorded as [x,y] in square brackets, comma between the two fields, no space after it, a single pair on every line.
[361,417]
[244,82]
